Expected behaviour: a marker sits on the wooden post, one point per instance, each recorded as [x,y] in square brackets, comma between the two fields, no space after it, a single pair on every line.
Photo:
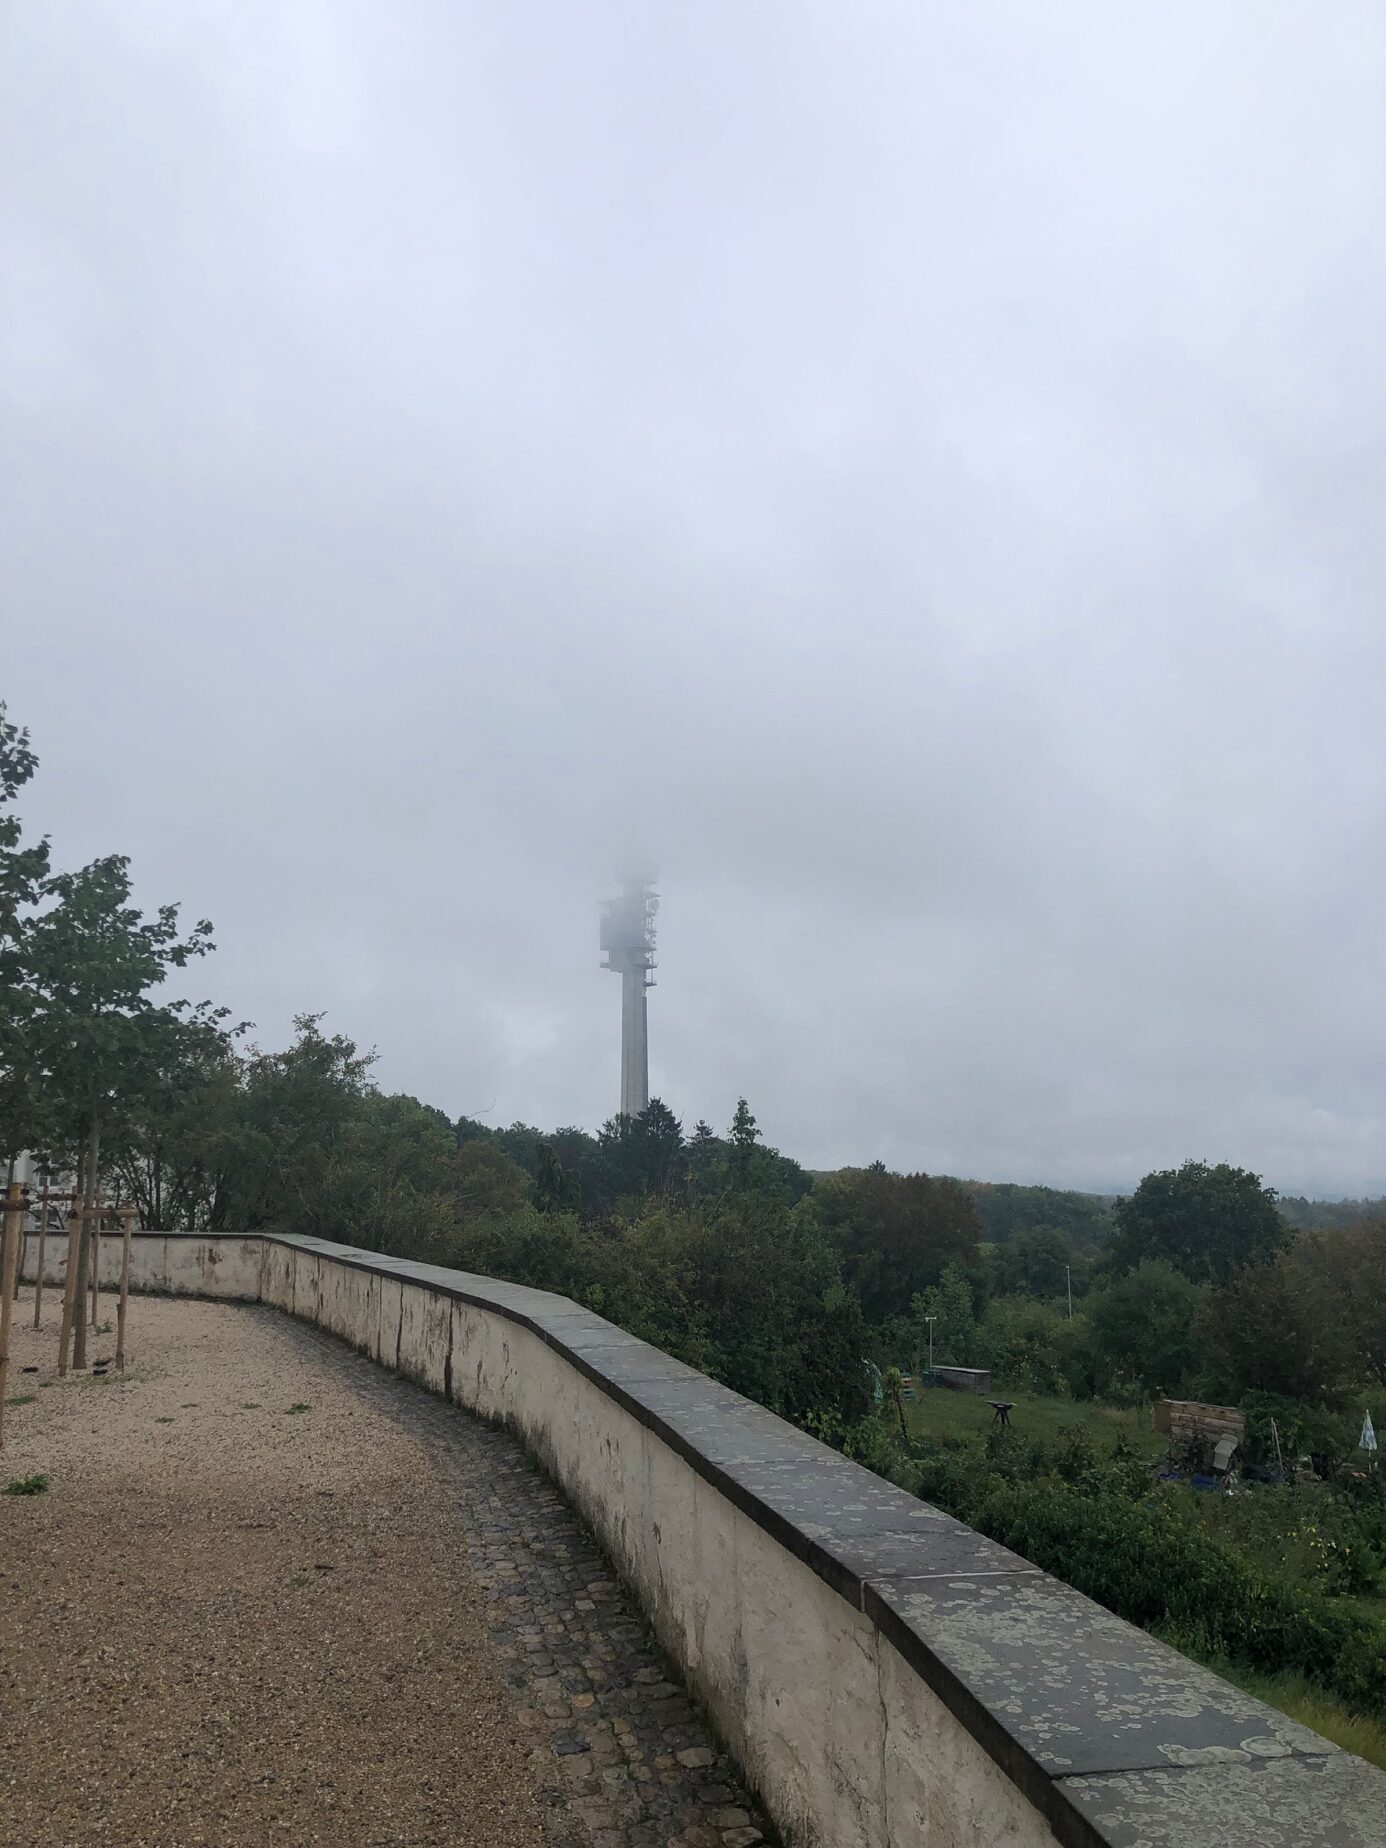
[43,1240]
[127,1214]
[90,1169]
[95,1266]
[15,1210]
[74,1250]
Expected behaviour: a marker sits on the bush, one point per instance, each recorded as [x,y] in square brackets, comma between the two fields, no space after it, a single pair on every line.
[1148,1565]
[1311,1534]
[1099,1524]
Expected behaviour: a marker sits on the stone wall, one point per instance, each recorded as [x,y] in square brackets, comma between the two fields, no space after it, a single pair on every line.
[885,1675]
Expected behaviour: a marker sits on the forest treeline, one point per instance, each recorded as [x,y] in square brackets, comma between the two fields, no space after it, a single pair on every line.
[716,1246]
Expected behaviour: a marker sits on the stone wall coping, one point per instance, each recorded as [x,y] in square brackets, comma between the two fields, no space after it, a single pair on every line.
[1115,1738]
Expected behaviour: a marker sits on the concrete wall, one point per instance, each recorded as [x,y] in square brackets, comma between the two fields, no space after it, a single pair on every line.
[884,1675]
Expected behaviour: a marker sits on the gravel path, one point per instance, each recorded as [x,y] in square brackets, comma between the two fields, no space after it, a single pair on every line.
[275,1595]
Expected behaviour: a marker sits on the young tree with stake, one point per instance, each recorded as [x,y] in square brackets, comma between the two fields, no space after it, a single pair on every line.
[95,958]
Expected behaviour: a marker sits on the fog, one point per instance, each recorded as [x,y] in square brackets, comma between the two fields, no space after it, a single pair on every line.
[912,473]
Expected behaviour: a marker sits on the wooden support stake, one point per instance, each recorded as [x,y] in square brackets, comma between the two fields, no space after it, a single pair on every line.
[43,1240]
[74,1258]
[15,1210]
[127,1214]
[95,1267]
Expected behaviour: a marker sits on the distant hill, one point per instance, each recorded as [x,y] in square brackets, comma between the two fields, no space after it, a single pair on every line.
[1005,1207]
[1322,1215]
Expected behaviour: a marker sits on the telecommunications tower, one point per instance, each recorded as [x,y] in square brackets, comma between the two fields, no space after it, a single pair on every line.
[628,943]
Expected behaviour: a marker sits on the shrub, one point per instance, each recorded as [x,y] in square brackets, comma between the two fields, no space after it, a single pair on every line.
[1100,1525]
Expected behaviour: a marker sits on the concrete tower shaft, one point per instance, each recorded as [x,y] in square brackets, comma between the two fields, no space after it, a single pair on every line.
[628,945]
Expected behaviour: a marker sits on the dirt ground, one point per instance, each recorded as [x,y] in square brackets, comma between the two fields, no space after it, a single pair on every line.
[240,1614]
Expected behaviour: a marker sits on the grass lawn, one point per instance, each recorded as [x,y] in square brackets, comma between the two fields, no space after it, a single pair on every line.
[940,1412]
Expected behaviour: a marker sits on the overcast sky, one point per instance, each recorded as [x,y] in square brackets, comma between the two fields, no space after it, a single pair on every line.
[915,473]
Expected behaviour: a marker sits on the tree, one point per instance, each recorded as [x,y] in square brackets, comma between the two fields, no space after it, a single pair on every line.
[173,1153]
[23,871]
[706,1155]
[1354,1257]
[320,1150]
[949,1302]
[1205,1221]
[753,1169]
[745,1131]
[896,1233]
[1006,1209]
[102,1040]
[1143,1330]
[554,1191]
[662,1133]
[764,1288]
[298,1112]
[488,1181]
[640,1157]
[1285,1327]
[1037,1262]
[1029,1345]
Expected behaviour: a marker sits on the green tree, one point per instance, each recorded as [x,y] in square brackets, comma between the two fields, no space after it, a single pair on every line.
[754,1170]
[1006,1209]
[172,1153]
[706,1155]
[1037,1261]
[896,1233]
[949,1302]
[1281,1327]
[103,1040]
[1354,1257]
[1205,1221]
[640,1157]
[1143,1330]
[745,1131]
[23,871]
[765,1288]
[1029,1346]
[488,1181]
[554,1190]
[329,1155]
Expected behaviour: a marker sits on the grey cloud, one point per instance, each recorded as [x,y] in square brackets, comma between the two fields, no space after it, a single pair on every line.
[914,473]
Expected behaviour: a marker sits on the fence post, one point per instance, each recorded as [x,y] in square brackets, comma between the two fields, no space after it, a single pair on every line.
[74,1258]
[127,1214]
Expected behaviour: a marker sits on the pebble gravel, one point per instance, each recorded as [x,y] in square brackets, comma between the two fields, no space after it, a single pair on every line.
[275,1595]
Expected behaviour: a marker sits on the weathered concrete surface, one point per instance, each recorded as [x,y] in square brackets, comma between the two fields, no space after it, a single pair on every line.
[883,1675]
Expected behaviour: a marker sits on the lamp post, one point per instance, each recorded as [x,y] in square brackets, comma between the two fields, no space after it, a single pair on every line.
[931,1319]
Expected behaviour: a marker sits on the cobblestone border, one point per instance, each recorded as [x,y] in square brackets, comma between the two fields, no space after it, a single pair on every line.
[621,1756]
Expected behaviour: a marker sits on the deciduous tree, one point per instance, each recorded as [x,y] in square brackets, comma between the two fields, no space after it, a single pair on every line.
[1205,1221]
[896,1232]
[23,870]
